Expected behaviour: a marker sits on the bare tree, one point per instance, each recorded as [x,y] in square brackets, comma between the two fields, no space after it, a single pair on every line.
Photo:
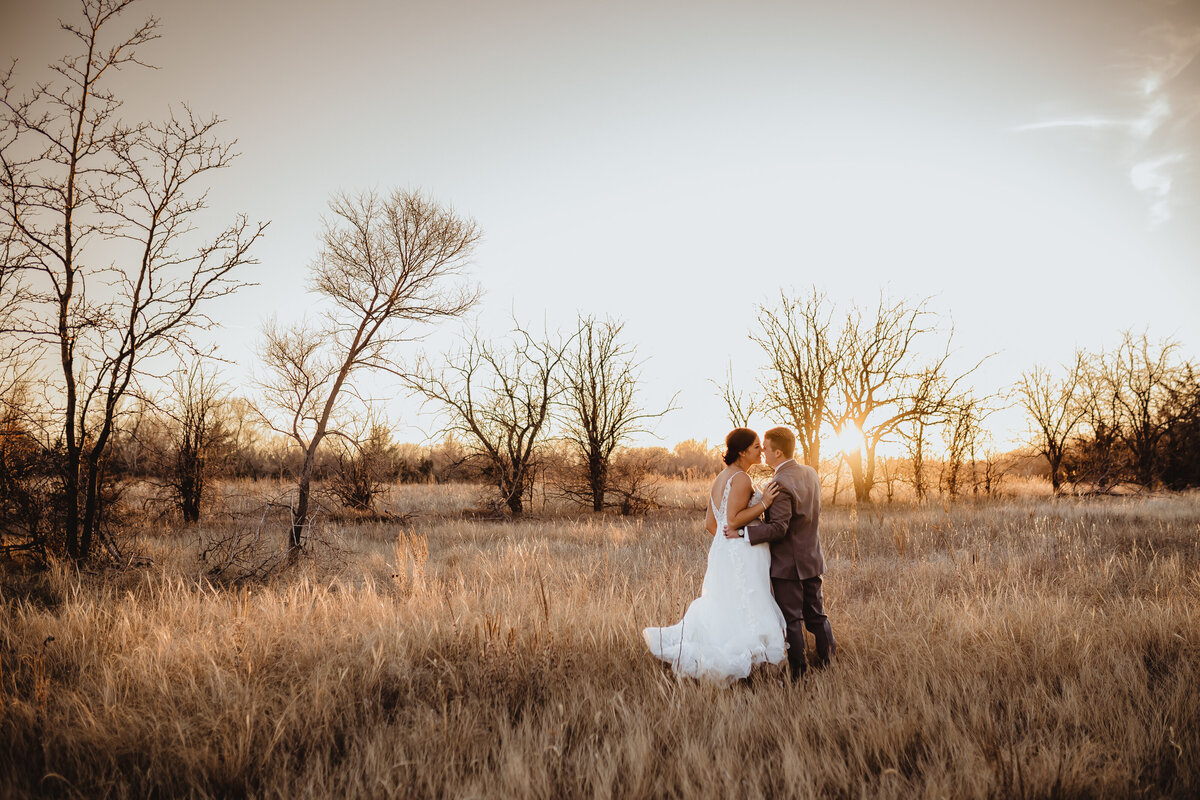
[634,479]
[26,478]
[199,432]
[385,265]
[598,404]
[103,216]
[1056,408]
[994,469]
[1140,375]
[741,404]
[864,379]
[499,399]
[1100,455]
[364,463]
[804,365]
[1180,454]
[929,403]
[963,436]
[890,471]
[884,384]
[16,348]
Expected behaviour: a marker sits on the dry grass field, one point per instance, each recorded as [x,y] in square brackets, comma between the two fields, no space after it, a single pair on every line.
[1025,648]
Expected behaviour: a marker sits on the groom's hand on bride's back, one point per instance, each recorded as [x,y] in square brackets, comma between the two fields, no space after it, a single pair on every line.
[775,521]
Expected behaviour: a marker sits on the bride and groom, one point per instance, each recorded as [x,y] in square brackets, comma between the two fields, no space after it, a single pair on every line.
[762,587]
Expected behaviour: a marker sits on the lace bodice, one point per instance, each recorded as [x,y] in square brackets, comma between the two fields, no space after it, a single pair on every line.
[720,512]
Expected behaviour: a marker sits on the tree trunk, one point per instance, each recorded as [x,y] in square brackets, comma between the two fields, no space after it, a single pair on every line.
[1055,478]
[191,498]
[91,509]
[862,492]
[74,450]
[597,482]
[812,454]
[71,498]
[514,493]
[300,518]
[869,472]
[837,480]
[1145,464]
[917,451]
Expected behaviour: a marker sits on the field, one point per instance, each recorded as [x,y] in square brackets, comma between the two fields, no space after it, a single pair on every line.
[1029,647]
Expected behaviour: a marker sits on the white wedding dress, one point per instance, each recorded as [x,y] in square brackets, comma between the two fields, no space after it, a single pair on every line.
[734,623]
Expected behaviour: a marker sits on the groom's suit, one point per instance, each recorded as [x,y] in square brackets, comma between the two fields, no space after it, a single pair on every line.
[796,562]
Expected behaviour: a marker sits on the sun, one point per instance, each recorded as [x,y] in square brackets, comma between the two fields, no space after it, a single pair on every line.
[850,439]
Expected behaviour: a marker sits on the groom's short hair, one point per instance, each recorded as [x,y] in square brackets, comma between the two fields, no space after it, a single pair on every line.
[782,439]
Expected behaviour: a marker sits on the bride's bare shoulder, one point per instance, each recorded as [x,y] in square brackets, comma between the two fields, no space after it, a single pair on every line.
[740,479]
[724,476]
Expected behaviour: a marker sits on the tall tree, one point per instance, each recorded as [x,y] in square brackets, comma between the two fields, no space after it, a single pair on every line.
[1055,408]
[1101,456]
[499,398]
[885,382]
[103,217]
[598,403]
[804,365]
[1140,375]
[198,431]
[928,401]
[963,434]
[387,264]
[741,403]
[1181,443]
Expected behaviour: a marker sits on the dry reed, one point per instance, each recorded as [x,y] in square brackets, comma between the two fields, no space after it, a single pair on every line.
[1030,648]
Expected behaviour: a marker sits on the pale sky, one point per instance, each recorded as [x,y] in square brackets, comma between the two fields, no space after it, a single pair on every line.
[1032,166]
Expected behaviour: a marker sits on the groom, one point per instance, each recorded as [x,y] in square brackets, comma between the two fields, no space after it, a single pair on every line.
[796,563]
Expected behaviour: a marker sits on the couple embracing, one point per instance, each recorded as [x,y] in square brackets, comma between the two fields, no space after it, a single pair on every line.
[762,587]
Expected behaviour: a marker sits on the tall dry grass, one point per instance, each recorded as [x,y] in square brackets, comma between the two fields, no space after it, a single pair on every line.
[1026,649]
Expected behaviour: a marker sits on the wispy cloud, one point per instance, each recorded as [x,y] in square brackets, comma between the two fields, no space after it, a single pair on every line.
[1153,179]
[1161,134]
[1092,122]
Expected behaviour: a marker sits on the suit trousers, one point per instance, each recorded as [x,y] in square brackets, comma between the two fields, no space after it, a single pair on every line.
[803,607]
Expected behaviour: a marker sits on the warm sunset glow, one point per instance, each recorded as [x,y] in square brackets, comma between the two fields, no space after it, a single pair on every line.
[850,439]
[987,155]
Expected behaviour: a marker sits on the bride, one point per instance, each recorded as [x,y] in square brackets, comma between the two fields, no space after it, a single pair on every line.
[734,623]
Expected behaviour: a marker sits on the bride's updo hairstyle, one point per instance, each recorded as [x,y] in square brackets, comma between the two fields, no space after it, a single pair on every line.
[737,442]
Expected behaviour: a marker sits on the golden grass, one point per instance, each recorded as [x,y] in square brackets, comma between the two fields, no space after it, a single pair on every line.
[1026,649]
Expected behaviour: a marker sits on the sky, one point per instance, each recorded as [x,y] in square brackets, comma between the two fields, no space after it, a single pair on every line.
[1032,168]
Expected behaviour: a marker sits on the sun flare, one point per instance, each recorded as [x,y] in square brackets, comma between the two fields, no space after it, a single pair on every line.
[850,439]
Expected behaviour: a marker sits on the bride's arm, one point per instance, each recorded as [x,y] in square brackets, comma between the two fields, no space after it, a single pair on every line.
[739,496]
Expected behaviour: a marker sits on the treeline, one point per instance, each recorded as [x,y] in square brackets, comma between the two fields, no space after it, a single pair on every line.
[1130,415]
[107,278]
[156,447]
[863,376]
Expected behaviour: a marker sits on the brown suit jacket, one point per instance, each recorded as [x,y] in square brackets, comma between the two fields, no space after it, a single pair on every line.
[791,524]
